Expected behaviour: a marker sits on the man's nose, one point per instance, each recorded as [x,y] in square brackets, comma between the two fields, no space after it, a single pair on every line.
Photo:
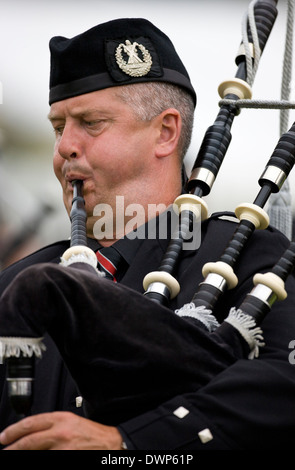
[69,145]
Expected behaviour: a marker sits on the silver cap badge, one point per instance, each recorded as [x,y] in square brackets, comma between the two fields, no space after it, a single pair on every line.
[135,66]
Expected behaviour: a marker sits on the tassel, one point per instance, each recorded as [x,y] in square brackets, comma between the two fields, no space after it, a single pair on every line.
[15,347]
[246,326]
[199,313]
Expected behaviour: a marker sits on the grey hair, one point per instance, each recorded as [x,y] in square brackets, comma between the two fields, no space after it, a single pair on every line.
[149,100]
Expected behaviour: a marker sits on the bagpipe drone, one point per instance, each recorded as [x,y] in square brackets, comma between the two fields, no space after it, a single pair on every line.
[190,333]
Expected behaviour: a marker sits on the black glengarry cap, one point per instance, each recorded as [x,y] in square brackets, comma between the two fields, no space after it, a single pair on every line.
[119,52]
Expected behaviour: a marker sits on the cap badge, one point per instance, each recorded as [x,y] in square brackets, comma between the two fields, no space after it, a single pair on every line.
[139,59]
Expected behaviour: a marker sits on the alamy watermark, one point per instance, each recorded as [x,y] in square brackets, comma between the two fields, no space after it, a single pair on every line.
[292,353]
[157,221]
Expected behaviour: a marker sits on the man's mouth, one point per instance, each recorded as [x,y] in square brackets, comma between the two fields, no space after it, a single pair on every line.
[70,179]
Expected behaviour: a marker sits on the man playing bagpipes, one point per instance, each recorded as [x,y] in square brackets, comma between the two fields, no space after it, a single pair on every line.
[148,376]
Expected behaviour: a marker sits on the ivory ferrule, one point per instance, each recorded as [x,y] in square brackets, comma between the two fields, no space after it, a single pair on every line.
[254,214]
[237,87]
[191,203]
[161,281]
[273,282]
[223,270]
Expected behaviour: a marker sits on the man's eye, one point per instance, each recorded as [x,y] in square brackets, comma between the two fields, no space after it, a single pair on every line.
[92,123]
[58,130]
[96,125]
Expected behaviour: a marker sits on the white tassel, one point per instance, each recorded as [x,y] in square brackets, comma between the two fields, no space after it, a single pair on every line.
[246,326]
[14,347]
[199,313]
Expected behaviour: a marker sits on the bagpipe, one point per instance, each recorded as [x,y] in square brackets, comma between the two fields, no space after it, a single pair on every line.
[114,373]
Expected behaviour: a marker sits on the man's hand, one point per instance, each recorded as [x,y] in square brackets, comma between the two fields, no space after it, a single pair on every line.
[60,431]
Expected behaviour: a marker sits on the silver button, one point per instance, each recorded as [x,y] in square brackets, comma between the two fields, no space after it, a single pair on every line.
[79,401]
[181,412]
[205,435]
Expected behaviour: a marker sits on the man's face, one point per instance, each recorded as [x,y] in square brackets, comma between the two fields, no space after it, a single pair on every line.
[99,140]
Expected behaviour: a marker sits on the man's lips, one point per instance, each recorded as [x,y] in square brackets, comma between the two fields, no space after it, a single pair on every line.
[73,177]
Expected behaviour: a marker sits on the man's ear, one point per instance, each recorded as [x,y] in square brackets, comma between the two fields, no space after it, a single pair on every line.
[169,125]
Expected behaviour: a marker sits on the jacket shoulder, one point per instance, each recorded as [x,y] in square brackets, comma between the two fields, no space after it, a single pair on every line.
[50,253]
